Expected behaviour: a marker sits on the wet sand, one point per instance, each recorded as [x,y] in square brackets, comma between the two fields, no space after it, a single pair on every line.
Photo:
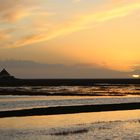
[98,125]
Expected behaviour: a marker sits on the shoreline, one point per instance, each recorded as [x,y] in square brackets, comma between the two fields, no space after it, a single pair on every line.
[68,82]
[57,110]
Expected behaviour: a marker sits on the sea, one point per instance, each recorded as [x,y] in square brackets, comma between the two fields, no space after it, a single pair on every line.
[111,125]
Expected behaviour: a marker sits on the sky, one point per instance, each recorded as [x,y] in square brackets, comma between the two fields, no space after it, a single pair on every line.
[75,34]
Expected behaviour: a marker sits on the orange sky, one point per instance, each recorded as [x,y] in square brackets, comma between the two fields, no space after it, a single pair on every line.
[102,32]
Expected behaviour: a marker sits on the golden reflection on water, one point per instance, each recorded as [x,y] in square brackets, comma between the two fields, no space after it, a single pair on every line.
[66,120]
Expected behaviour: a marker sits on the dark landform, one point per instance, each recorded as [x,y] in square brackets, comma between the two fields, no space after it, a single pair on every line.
[69,110]
[67,82]
[8,80]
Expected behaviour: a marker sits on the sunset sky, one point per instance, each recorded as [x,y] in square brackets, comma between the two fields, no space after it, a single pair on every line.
[98,33]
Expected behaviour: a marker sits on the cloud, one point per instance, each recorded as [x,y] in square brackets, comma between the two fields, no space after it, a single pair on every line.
[80,23]
[11,10]
[16,15]
[4,34]
[76,1]
[16,10]
[28,40]
[83,21]
[30,69]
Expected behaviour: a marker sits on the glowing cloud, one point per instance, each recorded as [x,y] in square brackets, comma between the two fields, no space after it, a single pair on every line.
[101,32]
[80,23]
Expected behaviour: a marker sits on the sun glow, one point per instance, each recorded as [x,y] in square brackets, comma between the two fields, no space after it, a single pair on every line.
[135,76]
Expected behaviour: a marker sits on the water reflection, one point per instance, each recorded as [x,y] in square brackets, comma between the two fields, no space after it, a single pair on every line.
[23,102]
[76,90]
[102,126]
[67,120]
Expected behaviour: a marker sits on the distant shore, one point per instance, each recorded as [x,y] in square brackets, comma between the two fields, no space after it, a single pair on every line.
[69,109]
[67,82]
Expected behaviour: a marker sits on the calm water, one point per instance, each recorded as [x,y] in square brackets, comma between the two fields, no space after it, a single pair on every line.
[20,102]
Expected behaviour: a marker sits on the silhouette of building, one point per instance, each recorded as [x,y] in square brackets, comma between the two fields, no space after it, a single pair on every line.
[5,75]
